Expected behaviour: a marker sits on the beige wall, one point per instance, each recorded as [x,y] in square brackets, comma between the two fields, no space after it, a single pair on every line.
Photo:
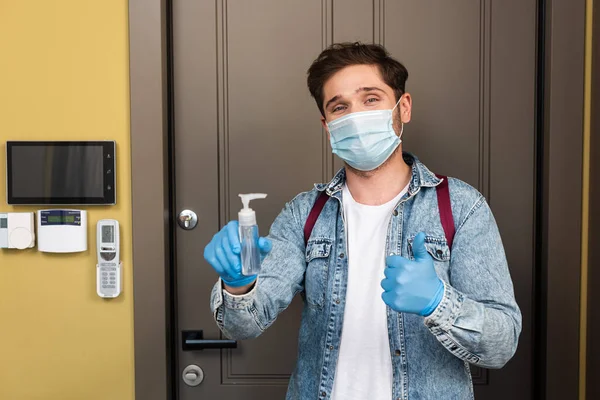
[64,75]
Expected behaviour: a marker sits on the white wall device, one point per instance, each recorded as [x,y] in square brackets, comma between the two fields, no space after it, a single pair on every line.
[17,230]
[62,231]
[108,269]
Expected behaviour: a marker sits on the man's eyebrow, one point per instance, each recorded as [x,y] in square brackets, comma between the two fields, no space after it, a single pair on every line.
[360,89]
[368,89]
[334,98]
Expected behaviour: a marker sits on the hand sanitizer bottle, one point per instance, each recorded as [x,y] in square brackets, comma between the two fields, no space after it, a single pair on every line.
[249,235]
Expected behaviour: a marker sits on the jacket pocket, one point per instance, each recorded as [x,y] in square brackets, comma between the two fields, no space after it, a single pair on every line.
[317,267]
[437,247]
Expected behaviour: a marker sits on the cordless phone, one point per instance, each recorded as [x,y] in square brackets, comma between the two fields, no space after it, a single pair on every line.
[108,269]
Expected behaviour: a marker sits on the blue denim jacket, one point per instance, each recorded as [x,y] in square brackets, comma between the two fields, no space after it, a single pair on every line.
[477,322]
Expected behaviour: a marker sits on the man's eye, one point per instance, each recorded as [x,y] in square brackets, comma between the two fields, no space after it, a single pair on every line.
[337,108]
[372,100]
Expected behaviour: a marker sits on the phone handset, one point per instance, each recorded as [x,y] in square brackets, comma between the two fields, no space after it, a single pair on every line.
[108,269]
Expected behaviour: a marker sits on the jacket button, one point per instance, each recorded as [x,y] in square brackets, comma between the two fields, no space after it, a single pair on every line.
[342,255]
[330,347]
[397,352]
[337,301]
[323,394]
[395,213]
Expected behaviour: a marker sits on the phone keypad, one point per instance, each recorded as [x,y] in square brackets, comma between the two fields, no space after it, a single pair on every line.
[109,275]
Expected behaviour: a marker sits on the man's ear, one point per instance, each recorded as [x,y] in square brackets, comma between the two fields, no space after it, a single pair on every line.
[405,107]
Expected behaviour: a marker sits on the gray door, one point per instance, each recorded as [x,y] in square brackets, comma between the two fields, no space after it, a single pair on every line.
[244,122]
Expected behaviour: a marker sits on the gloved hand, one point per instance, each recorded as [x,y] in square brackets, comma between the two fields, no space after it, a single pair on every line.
[223,254]
[412,286]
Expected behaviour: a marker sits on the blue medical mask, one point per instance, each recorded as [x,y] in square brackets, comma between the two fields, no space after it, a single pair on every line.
[364,139]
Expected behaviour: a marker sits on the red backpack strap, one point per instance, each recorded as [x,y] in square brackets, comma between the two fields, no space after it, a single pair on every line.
[314,215]
[445,207]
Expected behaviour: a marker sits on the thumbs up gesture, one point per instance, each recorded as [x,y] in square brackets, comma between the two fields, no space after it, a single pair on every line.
[412,286]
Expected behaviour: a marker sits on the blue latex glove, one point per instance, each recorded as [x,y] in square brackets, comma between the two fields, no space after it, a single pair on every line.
[412,286]
[223,254]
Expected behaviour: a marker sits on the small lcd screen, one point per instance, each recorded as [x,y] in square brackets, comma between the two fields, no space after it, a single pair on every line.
[61,219]
[108,234]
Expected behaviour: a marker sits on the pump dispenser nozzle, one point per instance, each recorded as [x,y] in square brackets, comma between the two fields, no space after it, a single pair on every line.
[247,216]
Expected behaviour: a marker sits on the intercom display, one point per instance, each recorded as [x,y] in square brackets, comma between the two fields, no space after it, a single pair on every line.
[60,172]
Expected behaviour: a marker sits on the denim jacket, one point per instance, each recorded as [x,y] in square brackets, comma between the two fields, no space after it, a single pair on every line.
[477,322]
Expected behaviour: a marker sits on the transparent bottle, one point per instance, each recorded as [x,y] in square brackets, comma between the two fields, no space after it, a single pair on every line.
[250,253]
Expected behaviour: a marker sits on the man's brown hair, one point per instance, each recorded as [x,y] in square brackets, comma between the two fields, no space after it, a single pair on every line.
[341,55]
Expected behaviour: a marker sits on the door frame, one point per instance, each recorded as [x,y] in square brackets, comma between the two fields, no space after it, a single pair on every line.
[151,211]
[593,318]
[560,94]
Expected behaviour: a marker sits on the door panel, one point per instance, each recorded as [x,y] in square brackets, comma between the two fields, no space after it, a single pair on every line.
[472,77]
[272,133]
[245,122]
[439,43]
[511,174]
[353,20]
[196,123]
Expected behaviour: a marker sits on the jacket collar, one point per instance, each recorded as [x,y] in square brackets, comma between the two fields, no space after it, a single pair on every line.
[421,177]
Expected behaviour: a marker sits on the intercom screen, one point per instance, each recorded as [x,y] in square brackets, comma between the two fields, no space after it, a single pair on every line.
[60,172]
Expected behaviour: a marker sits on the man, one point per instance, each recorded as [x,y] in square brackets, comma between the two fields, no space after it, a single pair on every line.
[401,293]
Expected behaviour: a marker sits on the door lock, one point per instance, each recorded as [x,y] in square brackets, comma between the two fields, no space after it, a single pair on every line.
[193,375]
[187,219]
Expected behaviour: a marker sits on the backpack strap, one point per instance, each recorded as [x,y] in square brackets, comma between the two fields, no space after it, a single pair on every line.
[314,215]
[445,207]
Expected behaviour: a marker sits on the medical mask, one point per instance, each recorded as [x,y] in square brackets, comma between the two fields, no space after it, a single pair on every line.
[364,139]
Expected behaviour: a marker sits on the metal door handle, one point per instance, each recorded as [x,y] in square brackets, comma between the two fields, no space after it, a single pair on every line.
[187,219]
[194,340]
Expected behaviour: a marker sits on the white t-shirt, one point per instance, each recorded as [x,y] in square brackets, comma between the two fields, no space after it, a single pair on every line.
[364,367]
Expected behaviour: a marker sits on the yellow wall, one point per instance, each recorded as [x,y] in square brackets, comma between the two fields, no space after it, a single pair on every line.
[64,75]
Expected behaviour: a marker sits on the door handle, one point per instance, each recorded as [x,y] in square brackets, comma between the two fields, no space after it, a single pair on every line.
[194,340]
[187,219]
